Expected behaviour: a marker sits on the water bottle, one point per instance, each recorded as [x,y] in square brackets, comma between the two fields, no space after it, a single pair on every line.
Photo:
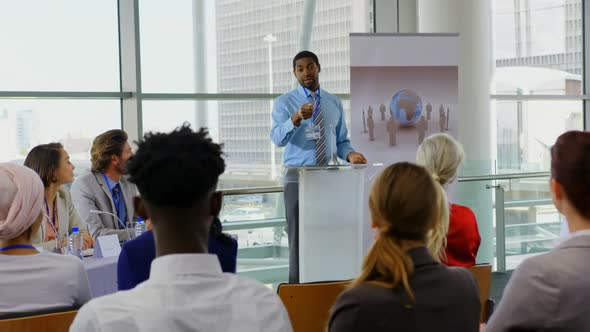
[140,227]
[75,243]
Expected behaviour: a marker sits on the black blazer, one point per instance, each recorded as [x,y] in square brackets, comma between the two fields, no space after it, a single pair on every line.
[447,299]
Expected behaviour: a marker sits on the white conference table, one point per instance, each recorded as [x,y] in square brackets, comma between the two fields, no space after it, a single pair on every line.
[102,275]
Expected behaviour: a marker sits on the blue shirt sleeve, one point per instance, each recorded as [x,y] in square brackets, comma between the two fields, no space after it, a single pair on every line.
[282,125]
[226,250]
[342,142]
[232,265]
[124,271]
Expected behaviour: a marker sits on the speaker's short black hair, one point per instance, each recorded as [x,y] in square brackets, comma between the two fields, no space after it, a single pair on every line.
[306,54]
[176,169]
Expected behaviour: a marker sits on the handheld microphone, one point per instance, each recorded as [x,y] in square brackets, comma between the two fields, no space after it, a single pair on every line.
[116,217]
[57,240]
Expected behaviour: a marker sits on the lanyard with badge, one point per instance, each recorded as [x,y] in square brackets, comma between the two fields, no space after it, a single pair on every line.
[311,132]
[117,203]
[53,221]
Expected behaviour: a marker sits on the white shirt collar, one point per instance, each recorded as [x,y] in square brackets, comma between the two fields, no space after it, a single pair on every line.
[305,91]
[110,182]
[184,264]
[580,233]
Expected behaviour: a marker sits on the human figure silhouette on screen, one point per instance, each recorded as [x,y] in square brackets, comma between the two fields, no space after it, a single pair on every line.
[428,111]
[392,130]
[421,128]
[371,125]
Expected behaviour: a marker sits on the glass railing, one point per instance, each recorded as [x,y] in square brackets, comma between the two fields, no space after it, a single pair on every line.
[256,218]
[523,220]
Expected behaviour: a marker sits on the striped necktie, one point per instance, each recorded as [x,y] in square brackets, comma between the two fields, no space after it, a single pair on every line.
[318,122]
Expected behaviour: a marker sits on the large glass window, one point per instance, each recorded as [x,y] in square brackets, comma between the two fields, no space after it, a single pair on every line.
[526,130]
[58,46]
[61,45]
[25,123]
[224,46]
[168,46]
[538,52]
[538,47]
[177,113]
[233,47]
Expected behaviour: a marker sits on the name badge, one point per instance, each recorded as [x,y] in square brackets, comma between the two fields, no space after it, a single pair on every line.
[312,134]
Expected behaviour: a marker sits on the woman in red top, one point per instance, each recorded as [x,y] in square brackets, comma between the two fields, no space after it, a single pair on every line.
[442,155]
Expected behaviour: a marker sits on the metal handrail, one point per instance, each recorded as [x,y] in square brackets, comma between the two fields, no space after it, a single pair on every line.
[528,202]
[511,176]
[252,224]
[252,191]
[491,177]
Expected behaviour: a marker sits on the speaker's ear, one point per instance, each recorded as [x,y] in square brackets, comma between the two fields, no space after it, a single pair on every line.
[140,208]
[556,194]
[216,203]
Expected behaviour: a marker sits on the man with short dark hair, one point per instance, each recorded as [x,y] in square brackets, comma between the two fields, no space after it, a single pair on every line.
[304,120]
[106,188]
[177,175]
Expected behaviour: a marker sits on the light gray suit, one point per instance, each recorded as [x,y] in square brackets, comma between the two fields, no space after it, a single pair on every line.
[548,292]
[90,192]
[67,219]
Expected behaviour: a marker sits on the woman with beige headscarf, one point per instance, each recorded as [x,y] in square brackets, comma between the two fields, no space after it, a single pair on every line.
[30,280]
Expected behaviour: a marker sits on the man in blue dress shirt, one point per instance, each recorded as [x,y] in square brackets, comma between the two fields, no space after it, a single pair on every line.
[309,122]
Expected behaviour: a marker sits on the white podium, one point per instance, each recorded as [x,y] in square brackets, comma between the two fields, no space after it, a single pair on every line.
[331,201]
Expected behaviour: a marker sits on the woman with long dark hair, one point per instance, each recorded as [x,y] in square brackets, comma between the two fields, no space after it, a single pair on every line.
[52,163]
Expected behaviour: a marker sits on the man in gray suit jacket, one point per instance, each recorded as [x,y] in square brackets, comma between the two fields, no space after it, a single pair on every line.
[106,188]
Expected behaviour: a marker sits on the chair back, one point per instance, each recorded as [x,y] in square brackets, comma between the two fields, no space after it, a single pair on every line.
[309,304]
[483,274]
[48,322]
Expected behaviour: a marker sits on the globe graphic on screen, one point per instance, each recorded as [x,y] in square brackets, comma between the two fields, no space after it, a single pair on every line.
[406,107]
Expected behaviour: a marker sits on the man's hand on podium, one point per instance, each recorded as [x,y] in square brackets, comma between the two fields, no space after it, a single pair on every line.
[356,158]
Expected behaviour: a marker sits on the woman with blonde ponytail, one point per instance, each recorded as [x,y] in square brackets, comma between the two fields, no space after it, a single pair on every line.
[457,237]
[437,237]
[401,286]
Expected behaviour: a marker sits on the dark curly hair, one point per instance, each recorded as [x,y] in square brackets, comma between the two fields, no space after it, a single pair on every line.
[176,169]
